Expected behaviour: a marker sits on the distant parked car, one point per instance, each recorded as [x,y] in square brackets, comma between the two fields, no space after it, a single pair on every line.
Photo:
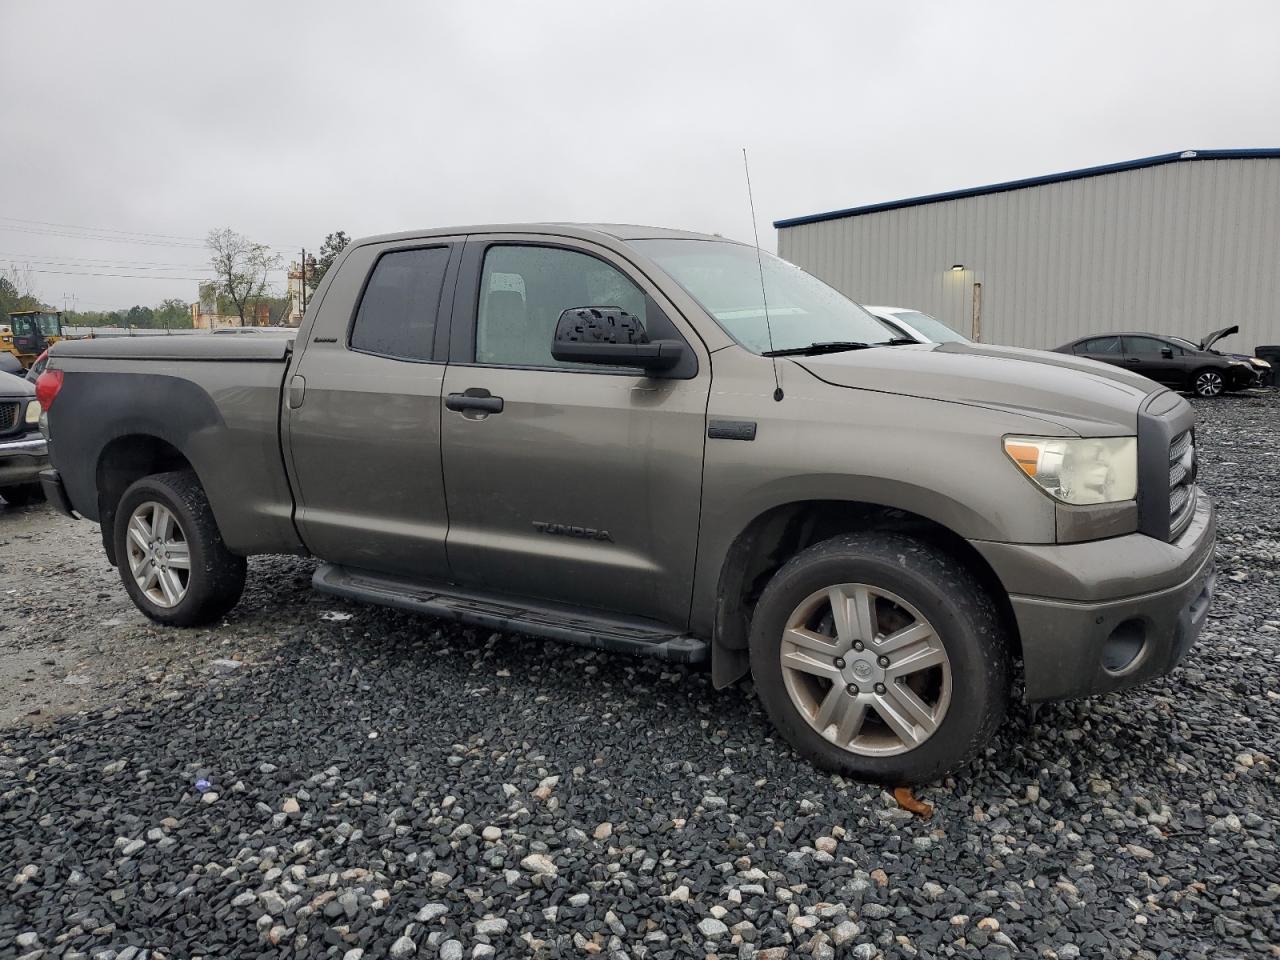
[23,450]
[1173,361]
[914,325]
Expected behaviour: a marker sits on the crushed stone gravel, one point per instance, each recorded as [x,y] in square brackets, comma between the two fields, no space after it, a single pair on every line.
[387,785]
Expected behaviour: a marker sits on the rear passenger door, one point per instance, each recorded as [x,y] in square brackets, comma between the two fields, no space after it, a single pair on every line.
[1104,349]
[363,411]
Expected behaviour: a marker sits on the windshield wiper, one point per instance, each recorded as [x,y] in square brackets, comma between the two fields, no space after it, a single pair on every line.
[897,342]
[813,349]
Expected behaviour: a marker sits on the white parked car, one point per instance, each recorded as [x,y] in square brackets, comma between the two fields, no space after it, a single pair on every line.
[917,326]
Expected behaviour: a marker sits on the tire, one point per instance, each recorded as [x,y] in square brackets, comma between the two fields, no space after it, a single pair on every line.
[967,693]
[22,494]
[1208,382]
[214,577]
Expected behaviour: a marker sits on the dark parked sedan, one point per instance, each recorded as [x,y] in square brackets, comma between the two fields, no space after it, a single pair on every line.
[1175,362]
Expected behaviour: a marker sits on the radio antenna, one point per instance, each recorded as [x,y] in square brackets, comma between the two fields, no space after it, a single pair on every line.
[764,296]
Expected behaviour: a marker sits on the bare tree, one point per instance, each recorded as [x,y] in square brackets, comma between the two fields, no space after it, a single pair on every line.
[240,267]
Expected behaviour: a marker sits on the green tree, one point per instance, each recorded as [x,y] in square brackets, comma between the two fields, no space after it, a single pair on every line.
[173,314]
[241,268]
[16,293]
[333,245]
[139,316]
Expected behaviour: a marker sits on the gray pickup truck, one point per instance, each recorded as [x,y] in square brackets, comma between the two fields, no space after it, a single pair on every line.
[610,435]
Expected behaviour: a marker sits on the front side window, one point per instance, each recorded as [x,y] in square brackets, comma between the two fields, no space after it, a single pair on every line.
[1144,346]
[724,278]
[523,291]
[397,315]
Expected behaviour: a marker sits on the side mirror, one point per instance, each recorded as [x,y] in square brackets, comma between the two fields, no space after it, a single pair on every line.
[1166,352]
[613,337]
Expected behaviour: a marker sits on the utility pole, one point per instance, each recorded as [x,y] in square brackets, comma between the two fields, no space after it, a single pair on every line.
[302,289]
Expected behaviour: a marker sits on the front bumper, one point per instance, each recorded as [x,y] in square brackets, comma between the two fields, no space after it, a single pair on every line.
[22,458]
[1109,614]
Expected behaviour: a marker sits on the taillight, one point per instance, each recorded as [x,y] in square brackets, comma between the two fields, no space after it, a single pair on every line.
[47,386]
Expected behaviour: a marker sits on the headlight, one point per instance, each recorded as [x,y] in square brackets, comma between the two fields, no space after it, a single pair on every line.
[1084,470]
[33,412]
[1260,363]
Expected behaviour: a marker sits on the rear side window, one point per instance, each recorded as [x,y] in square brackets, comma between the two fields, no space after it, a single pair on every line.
[1100,345]
[397,315]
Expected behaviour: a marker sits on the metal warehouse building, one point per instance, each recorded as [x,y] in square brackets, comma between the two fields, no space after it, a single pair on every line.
[1180,244]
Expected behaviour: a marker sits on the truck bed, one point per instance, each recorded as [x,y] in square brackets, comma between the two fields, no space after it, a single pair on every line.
[210,402]
[246,347]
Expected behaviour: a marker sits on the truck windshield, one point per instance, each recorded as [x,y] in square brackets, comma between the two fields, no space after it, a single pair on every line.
[725,280]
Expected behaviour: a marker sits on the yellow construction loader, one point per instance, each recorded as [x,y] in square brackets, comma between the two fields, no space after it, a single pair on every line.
[29,333]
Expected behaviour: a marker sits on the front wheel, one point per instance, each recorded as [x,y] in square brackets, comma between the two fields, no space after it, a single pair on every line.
[170,554]
[880,657]
[1207,383]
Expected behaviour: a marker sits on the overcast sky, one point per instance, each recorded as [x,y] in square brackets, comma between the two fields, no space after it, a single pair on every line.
[287,121]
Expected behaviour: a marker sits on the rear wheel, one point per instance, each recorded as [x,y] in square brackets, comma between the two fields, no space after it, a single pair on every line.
[880,657]
[1207,383]
[170,554]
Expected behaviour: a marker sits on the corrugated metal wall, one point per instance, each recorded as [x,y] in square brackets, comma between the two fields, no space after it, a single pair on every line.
[1181,248]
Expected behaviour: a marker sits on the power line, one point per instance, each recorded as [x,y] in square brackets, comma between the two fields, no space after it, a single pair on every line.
[129,276]
[73,226]
[101,261]
[96,235]
[104,266]
[40,232]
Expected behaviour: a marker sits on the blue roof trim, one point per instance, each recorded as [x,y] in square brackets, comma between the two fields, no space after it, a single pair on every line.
[1241,154]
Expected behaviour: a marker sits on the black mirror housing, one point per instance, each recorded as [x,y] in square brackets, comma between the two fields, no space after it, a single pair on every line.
[613,337]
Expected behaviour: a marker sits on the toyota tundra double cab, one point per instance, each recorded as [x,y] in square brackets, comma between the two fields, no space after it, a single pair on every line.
[659,442]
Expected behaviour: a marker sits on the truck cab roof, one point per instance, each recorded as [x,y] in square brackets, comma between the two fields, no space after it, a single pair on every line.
[587,231]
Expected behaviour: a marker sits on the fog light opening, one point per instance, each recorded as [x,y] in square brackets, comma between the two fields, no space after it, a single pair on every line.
[1124,646]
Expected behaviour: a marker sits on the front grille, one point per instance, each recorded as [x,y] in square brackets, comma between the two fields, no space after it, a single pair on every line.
[1182,478]
[10,415]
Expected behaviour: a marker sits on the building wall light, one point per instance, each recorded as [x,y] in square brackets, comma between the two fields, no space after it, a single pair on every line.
[957,267]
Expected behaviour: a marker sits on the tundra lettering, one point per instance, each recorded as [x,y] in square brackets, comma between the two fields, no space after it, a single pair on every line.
[565,530]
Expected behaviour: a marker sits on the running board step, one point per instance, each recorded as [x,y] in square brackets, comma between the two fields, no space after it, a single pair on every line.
[572,625]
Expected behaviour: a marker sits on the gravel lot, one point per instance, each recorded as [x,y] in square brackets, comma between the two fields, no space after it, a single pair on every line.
[381,785]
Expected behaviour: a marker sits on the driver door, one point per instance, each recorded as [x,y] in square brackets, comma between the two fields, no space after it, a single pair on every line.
[571,482]
[1156,359]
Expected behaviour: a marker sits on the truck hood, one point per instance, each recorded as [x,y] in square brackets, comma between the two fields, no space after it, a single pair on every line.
[14,386]
[1081,395]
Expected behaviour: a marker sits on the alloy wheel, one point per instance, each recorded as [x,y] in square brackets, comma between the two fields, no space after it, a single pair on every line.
[159,555]
[865,669]
[1208,383]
